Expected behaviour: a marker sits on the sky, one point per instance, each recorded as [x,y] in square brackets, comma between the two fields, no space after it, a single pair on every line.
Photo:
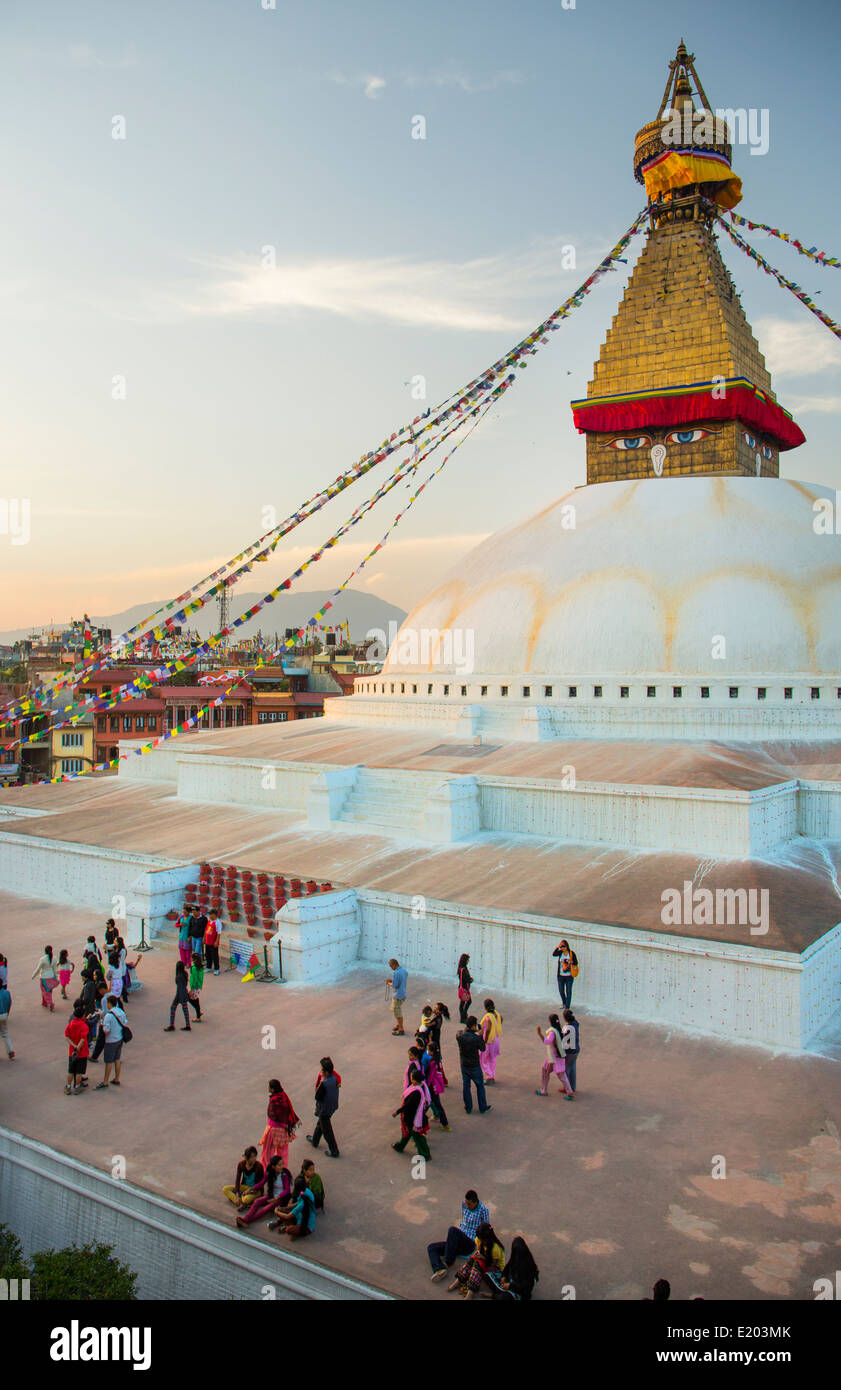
[221,311]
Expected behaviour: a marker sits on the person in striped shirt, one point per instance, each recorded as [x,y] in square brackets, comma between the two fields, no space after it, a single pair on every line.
[461,1239]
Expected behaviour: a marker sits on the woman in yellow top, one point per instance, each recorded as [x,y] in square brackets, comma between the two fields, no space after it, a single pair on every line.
[491,1027]
[488,1255]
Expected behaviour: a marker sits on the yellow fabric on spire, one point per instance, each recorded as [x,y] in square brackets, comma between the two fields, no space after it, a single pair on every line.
[678,168]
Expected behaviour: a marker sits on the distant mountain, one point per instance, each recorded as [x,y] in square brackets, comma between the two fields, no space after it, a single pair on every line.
[362,611]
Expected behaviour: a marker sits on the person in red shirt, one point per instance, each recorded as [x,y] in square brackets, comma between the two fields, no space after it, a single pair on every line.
[211,944]
[76,1034]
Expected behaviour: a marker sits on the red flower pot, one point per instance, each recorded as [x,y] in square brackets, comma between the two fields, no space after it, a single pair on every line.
[251,919]
[268,935]
[233,916]
[251,931]
[326,887]
[262,878]
[296,893]
[173,916]
[204,867]
[312,886]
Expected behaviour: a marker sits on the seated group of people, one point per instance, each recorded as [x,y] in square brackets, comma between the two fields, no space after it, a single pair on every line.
[292,1203]
[486,1269]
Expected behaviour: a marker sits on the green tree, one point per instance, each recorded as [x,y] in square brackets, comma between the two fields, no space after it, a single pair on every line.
[12,1262]
[81,1272]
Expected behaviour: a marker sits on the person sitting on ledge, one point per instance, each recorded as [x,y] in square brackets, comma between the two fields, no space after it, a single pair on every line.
[273,1189]
[250,1172]
[300,1221]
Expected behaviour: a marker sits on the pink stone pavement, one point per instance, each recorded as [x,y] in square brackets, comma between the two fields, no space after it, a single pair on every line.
[611,1191]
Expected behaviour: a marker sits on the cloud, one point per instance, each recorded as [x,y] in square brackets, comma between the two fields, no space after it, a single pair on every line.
[797,347]
[454,76]
[485,294]
[815,405]
[373,86]
[449,76]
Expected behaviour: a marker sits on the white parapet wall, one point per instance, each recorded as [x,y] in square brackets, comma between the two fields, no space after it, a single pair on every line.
[51,1200]
[81,875]
[318,935]
[745,993]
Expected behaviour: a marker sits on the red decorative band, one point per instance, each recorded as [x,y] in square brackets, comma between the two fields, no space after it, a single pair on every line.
[738,403]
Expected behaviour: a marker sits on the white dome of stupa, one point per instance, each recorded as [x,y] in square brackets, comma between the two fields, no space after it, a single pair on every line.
[682,577]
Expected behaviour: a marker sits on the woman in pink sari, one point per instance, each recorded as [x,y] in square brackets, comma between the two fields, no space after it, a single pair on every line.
[280,1127]
[48,981]
[554,1057]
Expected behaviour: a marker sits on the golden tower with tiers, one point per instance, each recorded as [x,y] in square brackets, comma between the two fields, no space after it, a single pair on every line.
[680,386]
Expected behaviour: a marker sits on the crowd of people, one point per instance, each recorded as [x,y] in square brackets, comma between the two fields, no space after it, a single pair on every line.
[264,1188]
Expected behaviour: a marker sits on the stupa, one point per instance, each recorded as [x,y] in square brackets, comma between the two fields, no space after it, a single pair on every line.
[616,721]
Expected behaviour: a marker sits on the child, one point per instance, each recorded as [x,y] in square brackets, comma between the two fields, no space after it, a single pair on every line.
[76,1034]
[65,970]
[194,984]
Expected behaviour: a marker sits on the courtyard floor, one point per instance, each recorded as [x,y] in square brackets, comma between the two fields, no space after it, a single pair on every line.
[611,1192]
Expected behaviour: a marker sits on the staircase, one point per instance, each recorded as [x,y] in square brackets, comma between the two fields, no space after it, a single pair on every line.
[394,802]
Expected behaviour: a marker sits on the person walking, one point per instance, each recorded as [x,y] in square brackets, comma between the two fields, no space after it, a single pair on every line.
[470,1045]
[48,979]
[491,1030]
[76,1034]
[65,970]
[185,950]
[326,1105]
[211,944]
[5,1010]
[413,1121]
[195,981]
[115,1026]
[461,1238]
[281,1122]
[570,1036]
[4,970]
[465,980]
[250,1172]
[181,998]
[554,1062]
[398,981]
[567,971]
[115,975]
[437,1083]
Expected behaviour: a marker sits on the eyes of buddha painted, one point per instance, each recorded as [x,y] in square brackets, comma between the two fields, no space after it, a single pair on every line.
[749,440]
[687,436]
[635,441]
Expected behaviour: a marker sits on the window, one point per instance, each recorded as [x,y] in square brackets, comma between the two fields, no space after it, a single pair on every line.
[484,690]
[140,722]
[705,692]
[624,692]
[392,688]
[597,692]
[71,740]
[446,690]
[547,691]
[464,690]
[275,716]
[402,688]
[100,723]
[114,724]
[788,692]
[414,690]
[734,692]
[71,764]
[677,692]
[526,692]
[651,691]
[761,692]
[503,690]
[153,721]
[429,690]
[572,691]
[816,692]
[126,723]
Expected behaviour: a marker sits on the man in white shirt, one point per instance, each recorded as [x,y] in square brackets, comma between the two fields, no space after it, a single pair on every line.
[113,1023]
